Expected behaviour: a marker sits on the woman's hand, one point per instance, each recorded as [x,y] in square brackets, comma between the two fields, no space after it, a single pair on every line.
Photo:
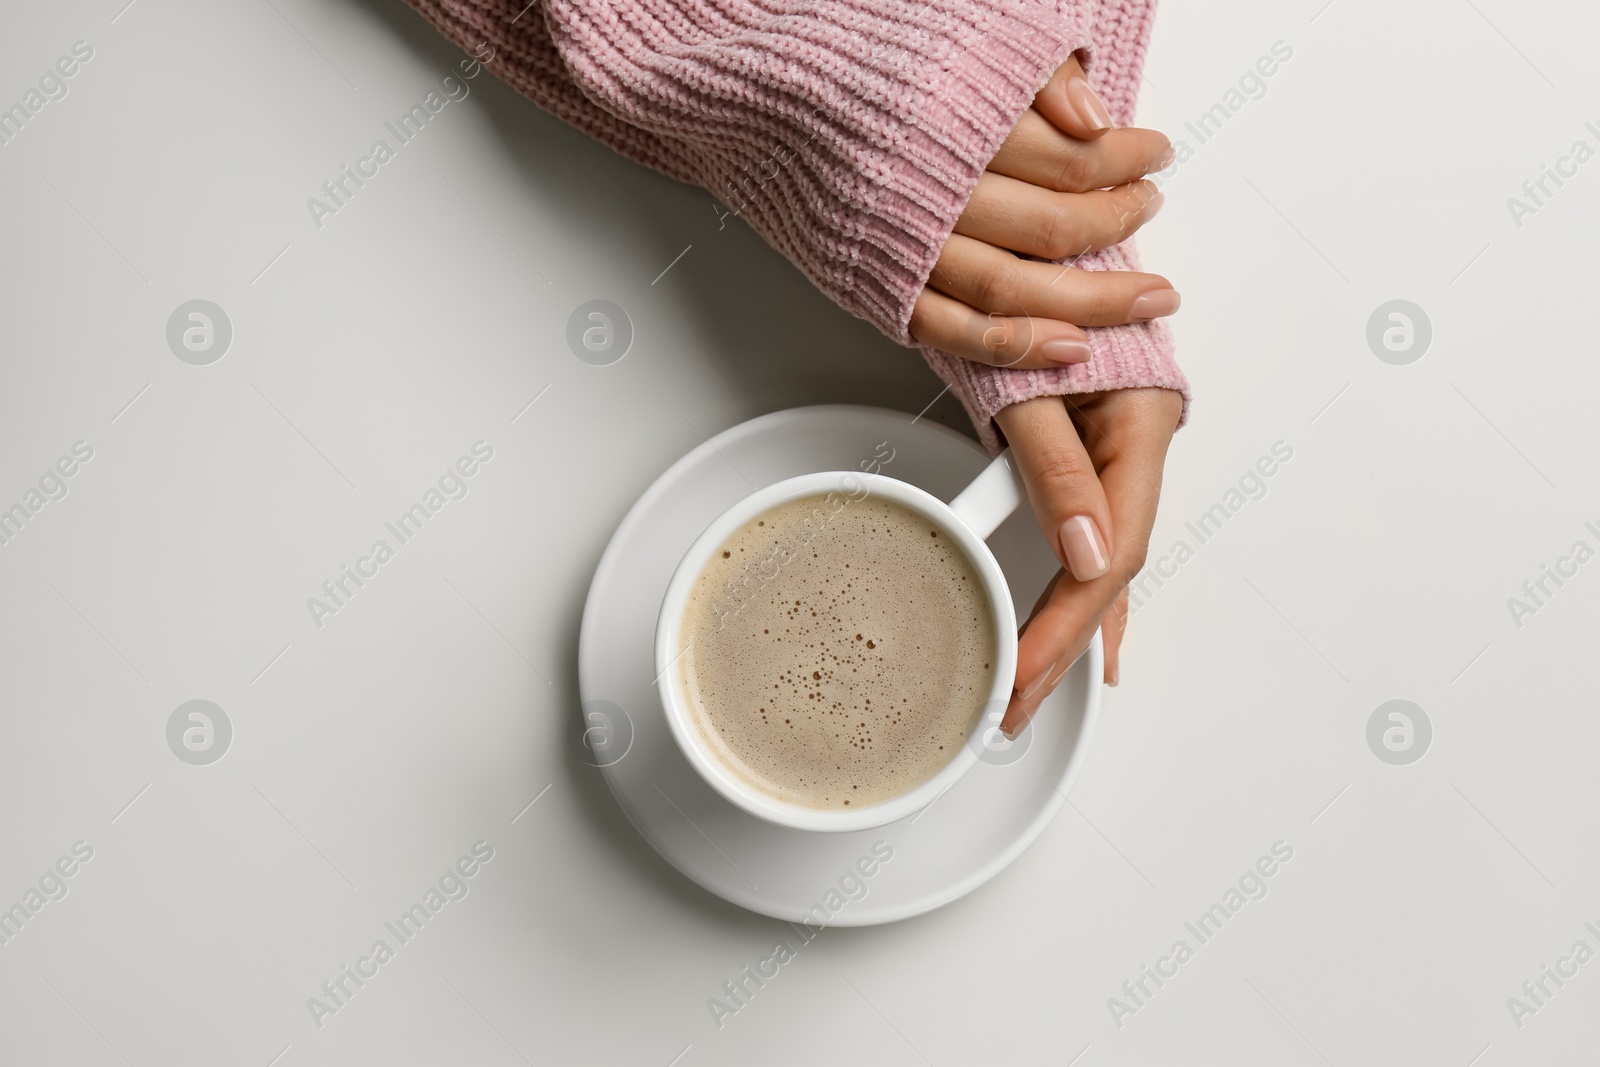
[1092,464]
[1063,183]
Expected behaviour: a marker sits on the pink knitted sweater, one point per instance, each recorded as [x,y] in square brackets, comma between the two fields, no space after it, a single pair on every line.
[847,133]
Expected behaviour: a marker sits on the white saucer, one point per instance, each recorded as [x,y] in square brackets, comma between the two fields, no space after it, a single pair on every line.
[947,850]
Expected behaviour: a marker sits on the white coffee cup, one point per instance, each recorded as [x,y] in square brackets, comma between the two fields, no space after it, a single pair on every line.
[968,520]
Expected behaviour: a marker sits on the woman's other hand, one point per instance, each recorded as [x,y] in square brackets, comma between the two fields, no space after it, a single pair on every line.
[1063,183]
[1093,465]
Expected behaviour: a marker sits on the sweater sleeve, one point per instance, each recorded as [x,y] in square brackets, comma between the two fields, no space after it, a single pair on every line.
[849,134]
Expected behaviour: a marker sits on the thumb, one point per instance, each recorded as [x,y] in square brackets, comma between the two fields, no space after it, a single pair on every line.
[1071,105]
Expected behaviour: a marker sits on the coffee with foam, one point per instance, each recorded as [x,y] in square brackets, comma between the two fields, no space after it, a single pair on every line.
[837,653]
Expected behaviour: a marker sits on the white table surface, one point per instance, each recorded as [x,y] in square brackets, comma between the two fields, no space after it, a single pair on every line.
[369,754]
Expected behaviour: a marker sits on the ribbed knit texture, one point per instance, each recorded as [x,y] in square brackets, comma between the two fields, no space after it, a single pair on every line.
[849,134]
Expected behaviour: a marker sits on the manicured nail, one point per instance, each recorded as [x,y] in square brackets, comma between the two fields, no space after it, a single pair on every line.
[1165,159]
[1086,553]
[1090,110]
[1156,304]
[1065,350]
[1012,716]
[1154,205]
[1037,684]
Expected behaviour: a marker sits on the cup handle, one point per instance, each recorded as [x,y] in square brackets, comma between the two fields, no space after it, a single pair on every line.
[992,496]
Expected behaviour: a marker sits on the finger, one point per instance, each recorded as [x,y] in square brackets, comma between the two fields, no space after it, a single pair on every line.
[1020,342]
[1035,151]
[1071,105]
[1022,217]
[1113,628]
[991,279]
[1063,486]
[1129,446]
[1043,640]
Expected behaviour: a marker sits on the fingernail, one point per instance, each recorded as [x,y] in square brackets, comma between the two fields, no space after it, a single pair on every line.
[1165,159]
[1156,304]
[1088,106]
[1065,350]
[1035,685]
[1114,674]
[1011,716]
[1154,205]
[1086,553]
